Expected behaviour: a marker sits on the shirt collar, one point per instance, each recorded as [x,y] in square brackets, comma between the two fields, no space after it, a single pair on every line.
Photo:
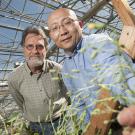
[77,48]
[133,60]
[27,68]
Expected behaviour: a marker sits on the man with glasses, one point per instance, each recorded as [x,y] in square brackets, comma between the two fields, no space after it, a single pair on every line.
[34,86]
[91,62]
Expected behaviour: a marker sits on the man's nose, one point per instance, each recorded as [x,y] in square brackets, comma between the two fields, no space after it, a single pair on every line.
[63,30]
[35,49]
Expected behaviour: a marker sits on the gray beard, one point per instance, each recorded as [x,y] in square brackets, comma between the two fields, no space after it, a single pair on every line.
[34,62]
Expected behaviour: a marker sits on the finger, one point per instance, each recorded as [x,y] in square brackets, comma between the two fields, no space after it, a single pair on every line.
[133,132]
[127,116]
[127,131]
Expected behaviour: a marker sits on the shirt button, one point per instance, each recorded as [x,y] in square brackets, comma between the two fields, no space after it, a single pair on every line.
[45,101]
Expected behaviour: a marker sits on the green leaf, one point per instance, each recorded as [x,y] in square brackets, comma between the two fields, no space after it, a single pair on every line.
[13,117]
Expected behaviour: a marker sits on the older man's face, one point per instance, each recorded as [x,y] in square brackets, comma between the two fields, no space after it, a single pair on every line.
[34,50]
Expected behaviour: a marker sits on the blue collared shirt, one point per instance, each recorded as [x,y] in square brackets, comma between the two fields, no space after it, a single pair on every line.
[96,62]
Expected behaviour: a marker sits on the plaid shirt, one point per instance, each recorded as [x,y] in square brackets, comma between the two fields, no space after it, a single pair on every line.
[37,94]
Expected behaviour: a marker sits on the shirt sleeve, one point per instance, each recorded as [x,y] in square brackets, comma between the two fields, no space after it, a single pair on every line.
[15,93]
[64,90]
[114,71]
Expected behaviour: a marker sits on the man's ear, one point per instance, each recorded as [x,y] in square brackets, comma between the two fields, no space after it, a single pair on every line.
[81,23]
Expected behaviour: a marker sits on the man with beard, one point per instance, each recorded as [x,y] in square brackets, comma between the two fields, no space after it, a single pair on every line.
[34,86]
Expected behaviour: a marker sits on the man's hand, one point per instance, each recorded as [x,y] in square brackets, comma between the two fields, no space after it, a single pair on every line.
[127,118]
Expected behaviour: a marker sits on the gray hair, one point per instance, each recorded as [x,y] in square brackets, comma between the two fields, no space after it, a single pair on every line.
[36,30]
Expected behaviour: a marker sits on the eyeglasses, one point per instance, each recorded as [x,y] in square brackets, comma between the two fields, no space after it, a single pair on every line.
[67,22]
[39,47]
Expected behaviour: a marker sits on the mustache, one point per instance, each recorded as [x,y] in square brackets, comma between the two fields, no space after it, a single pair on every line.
[34,62]
[33,57]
